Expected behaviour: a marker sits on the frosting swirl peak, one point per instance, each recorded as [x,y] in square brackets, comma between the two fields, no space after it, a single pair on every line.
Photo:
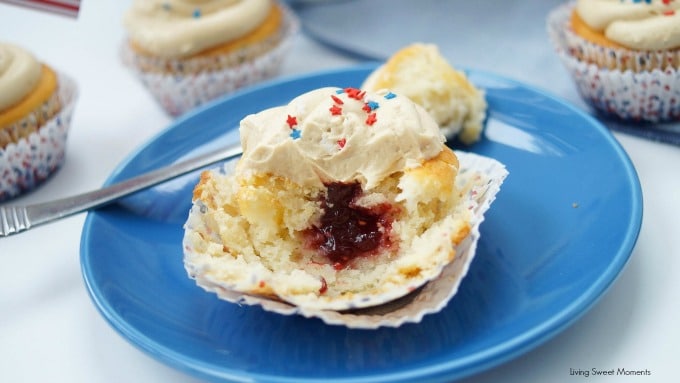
[181,28]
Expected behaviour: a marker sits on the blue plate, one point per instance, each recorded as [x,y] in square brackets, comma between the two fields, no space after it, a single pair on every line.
[561,230]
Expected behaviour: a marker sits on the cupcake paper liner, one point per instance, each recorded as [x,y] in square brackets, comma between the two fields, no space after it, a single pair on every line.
[27,163]
[186,84]
[31,122]
[483,177]
[628,89]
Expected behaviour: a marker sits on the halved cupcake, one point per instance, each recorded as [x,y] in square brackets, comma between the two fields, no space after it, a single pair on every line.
[343,199]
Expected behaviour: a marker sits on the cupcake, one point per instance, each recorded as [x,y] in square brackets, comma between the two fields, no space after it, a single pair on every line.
[419,72]
[343,200]
[36,104]
[190,52]
[624,56]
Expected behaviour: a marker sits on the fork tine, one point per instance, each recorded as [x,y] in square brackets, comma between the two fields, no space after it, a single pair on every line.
[13,219]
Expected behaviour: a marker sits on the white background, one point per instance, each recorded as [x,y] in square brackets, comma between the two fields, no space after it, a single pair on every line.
[51,332]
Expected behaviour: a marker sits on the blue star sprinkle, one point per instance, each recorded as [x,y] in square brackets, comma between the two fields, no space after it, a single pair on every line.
[373,105]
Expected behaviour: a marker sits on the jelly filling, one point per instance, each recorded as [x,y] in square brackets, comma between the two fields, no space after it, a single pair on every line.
[347,231]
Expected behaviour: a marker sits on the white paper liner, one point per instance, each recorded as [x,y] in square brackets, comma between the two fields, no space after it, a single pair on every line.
[29,162]
[486,176]
[178,93]
[648,95]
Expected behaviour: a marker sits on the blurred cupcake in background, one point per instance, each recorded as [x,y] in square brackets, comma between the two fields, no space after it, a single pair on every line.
[623,55]
[188,52]
[36,105]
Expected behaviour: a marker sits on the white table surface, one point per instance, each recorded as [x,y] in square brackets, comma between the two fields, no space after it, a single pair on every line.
[50,330]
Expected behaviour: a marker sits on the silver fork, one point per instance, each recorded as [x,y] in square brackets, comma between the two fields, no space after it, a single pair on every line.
[16,218]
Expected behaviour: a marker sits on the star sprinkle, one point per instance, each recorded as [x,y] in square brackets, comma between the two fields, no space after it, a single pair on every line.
[342,142]
[355,93]
[371,119]
[197,13]
[390,95]
[370,106]
[335,110]
[291,121]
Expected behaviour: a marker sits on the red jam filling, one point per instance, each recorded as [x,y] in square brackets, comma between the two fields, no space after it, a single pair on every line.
[347,231]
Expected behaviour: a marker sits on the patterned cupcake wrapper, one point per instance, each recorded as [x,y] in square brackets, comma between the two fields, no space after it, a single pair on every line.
[179,86]
[485,175]
[26,164]
[618,87]
[30,123]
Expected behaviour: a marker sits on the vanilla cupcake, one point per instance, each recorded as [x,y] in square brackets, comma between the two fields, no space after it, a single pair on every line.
[36,103]
[420,72]
[342,200]
[624,56]
[189,52]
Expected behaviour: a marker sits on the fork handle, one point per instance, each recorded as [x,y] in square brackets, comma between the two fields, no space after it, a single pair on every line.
[15,219]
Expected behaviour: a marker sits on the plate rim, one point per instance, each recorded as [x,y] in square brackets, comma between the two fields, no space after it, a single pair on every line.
[454,369]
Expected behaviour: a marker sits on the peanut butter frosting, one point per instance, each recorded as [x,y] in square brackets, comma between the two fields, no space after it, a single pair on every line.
[181,28]
[636,24]
[19,74]
[339,135]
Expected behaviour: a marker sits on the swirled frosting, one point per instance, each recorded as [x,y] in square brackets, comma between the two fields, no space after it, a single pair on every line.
[19,74]
[180,28]
[339,135]
[636,24]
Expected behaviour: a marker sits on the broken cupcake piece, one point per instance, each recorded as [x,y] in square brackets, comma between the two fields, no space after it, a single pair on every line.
[420,72]
[343,199]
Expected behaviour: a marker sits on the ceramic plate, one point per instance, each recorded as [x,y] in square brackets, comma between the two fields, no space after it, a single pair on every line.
[559,233]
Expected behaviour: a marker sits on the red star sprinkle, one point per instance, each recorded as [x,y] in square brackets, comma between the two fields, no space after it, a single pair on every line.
[291,121]
[371,119]
[335,110]
[355,93]
[341,143]
[337,100]
[669,12]
[366,108]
